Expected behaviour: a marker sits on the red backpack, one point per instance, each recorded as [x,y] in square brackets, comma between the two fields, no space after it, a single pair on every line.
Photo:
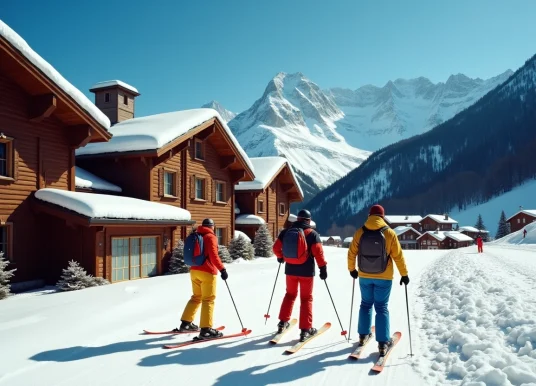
[295,250]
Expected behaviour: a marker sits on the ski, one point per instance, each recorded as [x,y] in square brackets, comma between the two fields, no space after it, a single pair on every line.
[299,345]
[278,337]
[359,349]
[194,341]
[380,363]
[172,332]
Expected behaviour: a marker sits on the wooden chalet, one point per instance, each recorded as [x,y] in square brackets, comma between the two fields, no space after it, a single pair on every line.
[444,240]
[44,221]
[413,221]
[433,222]
[266,199]
[407,235]
[187,159]
[473,232]
[521,218]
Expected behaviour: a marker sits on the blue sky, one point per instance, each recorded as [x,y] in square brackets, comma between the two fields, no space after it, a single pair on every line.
[182,54]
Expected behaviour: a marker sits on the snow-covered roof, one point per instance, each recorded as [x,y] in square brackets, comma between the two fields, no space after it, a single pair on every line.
[249,219]
[238,234]
[336,237]
[348,239]
[529,212]
[154,131]
[265,170]
[110,83]
[458,236]
[324,238]
[86,180]
[20,44]
[294,218]
[440,218]
[403,219]
[472,229]
[104,206]
[402,229]
[441,235]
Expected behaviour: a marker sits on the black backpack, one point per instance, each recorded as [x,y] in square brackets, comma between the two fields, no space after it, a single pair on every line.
[372,256]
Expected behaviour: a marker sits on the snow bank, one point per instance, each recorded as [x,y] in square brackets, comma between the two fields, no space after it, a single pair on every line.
[477,322]
[20,44]
[249,219]
[516,238]
[108,83]
[238,234]
[103,206]
[87,180]
[265,170]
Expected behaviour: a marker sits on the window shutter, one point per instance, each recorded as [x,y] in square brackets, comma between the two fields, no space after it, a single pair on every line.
[15,160]
[214,196]
[207,189]
[161,182]
[192,187]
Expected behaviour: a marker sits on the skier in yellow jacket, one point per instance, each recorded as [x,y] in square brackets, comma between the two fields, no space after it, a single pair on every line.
[373,249]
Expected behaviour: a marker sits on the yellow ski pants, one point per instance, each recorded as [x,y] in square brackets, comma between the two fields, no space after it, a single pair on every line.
[204,293]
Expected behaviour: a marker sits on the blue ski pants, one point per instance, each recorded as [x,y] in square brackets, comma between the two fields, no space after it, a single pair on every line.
[375,292]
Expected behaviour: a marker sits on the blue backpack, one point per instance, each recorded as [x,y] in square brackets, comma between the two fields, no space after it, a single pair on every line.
[295,249]
[194,251]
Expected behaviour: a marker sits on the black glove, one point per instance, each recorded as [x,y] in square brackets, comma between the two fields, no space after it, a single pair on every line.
[405,280]
[280,260]
[224,274]
[354,273]
[324,272]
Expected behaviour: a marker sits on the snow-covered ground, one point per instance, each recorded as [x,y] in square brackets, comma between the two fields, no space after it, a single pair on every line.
[472,319]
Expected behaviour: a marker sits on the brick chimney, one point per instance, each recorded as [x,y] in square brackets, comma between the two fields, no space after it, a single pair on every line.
[115,99]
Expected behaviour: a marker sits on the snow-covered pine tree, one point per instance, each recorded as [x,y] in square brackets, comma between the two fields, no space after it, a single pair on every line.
[263,242]
[241,248]
[224,254]
[75,277]
[5,276]
[502,229]
[176,262]
[480,223]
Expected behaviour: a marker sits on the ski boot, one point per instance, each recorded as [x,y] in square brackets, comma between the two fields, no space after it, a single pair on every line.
[383,347]
[209,333]
[186,327]
[306,334]
[282,326]
[363,338]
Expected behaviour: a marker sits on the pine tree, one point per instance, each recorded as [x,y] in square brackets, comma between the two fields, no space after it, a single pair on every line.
[241,248]
[480,224]
[75,277]
[263,242]
[502,229]
[176,262]
[5,276]
[224,254]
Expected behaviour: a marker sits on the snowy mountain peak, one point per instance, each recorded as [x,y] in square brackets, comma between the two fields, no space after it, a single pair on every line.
[224,113]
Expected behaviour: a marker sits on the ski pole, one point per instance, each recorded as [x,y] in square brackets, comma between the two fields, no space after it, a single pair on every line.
[243,329]
[351,310]
[343,332]
[267,315]
[409,327]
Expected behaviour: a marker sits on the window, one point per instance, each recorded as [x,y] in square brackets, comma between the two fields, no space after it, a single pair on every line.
[199,189]
[518,221]
[107,97]
[523,220]
[219,235]
[220,192]
[199,150]
[169,183]
[133,258]
[260,206]
[125,100]
[282,209]
[5,241]
[6,156]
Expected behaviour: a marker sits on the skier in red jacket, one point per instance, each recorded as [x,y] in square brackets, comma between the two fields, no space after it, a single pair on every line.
[479,242]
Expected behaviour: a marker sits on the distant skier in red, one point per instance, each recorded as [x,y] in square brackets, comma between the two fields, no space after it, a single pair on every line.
[524,233]
[479,242]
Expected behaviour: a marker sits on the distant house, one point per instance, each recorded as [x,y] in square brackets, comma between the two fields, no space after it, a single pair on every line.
[407,235]
[334,240]
[324,239]
[267,198]
[413,221]
[347,241]
[474,232]
[444,240]
[434,222]
[521,218]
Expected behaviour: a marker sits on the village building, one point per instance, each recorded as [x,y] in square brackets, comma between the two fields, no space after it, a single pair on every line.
[413,221]
[43,120]
[407,236]
[347,241]
[267,198]
[474,232]
[521,218]
[444,240]
[187,159]
[434,222]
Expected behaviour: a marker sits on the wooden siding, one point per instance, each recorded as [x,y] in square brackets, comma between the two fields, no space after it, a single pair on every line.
[168,163]
[429,224]
[40,149]
[516,222]
[282,197]
[429,242]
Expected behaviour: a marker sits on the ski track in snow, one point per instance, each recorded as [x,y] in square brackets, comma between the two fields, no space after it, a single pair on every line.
[477,323]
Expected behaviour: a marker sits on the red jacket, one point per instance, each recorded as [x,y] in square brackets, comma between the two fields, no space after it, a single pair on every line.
[479,241]
[213,263]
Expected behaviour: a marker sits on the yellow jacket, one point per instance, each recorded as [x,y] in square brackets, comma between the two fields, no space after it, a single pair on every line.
[392,246]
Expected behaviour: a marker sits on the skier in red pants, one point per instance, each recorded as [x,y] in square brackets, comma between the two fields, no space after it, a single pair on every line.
[299,246]
[479,242]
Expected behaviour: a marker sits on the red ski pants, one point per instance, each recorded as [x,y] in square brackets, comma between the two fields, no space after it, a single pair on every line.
[306,300]
[480,249]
